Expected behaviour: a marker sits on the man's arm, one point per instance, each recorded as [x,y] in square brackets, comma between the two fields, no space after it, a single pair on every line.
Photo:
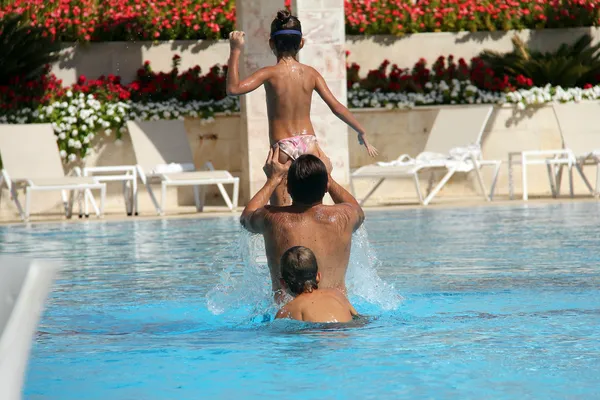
[234,86]
[254,215]
[341,196]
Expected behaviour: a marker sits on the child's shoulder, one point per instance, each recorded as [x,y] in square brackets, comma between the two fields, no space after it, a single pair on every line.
[310,69]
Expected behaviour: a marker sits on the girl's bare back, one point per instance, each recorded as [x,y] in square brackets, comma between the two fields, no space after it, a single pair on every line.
[289,96]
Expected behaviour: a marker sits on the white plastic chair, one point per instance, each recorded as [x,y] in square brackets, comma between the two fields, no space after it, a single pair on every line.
[31,161]
[24,286]
[163,155]
[579,125]
[454,144]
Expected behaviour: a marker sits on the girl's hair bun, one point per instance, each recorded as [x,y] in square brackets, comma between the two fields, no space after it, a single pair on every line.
[284,16]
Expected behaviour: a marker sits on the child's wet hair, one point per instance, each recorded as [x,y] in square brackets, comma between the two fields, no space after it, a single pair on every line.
[287,43]
[299,270]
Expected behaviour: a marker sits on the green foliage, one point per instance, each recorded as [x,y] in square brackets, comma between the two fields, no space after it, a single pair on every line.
[571,65]
[25,50]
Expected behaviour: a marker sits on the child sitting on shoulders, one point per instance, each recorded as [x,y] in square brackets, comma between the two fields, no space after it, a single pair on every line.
[289,86]
[300,276]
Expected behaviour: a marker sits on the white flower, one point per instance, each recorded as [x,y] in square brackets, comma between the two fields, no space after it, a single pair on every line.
[521,105]
[69,94]
[72,157]
[62,136]
[77,144]
[123,129]
[63,154]
[74,133]
[108,132]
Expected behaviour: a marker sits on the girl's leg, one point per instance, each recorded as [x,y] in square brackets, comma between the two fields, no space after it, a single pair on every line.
[318,152]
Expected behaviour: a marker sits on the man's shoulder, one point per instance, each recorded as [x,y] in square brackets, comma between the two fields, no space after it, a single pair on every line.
[341,211]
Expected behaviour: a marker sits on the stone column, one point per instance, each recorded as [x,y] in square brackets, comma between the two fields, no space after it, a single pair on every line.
[324,49]
[254,17]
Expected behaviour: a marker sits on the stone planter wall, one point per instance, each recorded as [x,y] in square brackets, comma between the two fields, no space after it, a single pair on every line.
[124,58]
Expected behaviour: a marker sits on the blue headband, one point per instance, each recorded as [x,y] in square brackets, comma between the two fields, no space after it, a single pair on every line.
[287,32]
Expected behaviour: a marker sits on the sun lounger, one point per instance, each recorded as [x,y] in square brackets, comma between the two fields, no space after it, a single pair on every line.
[23,290]
[31,161]
[164,156]
[454,144]
[579,125]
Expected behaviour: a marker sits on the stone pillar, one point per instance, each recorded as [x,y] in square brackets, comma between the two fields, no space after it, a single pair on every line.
[254,17]
[324,49]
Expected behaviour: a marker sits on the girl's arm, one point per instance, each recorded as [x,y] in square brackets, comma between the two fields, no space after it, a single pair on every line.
[340,111]
[234,86]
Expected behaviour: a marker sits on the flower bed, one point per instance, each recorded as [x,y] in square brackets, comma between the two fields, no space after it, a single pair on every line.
[118,20]
[90,107]
[398,17]
[103,105]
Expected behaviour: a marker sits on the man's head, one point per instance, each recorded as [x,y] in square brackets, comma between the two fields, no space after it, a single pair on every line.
[299,270]
[307,180]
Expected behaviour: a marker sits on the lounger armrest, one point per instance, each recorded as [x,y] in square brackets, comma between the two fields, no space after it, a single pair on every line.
[548,153]
[141,173]
[6,179]
[404,158]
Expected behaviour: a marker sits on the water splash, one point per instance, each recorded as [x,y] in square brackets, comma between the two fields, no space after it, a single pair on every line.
[245,285]
[362,279]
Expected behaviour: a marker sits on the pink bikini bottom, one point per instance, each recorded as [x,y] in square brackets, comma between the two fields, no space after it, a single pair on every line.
[295,146]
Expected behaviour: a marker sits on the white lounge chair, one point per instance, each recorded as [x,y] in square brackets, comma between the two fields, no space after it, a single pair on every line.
[23,290]
[31,161]
[163,155]
[579,125]
[454,144]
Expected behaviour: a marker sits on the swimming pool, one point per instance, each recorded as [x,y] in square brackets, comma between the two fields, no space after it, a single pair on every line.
[500,302]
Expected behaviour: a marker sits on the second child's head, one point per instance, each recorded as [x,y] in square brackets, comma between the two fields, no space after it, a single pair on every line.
[286,35]
[299,270]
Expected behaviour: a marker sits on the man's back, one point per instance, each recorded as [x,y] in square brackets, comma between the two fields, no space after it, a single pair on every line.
[326,230]
[322,305]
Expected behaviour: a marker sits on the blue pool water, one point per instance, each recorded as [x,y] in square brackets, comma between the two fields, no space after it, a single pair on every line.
[499,302]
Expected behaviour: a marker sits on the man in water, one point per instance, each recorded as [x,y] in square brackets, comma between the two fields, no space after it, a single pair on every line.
[326,230]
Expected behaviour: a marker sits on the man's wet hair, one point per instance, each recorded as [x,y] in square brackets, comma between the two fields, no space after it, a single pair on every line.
[307,179]
[299,270]
[286,33]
